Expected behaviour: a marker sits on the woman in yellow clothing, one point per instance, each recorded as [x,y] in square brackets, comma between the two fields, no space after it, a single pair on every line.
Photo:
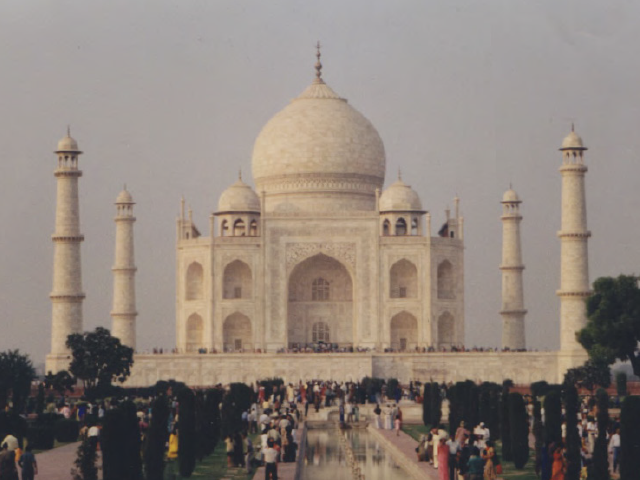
[173,446]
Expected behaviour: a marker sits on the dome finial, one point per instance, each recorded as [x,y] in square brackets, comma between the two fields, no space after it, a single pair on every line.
[399,174]
[68,130]
[240,174]
[318,65]
[573,128]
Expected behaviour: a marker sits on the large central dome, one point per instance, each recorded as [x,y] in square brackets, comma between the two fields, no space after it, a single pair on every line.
[318,153]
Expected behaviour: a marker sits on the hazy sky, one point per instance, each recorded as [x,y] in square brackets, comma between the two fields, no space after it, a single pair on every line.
[169,96]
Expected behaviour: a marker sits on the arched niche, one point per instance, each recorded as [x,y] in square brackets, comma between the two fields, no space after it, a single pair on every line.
[403,280]
[446,330]
[194,333]
[237,333]
[404,331]
[194,281]
[237,281]
[446,282]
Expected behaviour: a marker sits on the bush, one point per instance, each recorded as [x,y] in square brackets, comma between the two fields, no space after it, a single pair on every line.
[187,432]
[41,436]
[120,441]
[211,420]
[372,387]
[505,429]
[621,384]
[66,430]
[270,384]
[436,404]
[392,388]
[572,408]
[553,417]
[519,430]
[85,462]
[237,399]
[630,438]
[14,424]
[156,438]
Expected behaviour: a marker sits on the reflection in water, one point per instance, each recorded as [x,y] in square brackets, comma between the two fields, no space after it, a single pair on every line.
[325,459]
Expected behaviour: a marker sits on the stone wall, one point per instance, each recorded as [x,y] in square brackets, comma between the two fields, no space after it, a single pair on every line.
[210,369]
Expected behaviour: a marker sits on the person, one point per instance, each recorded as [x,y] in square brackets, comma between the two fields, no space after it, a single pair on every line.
[28,464]
[475,465]
[398,424]
[460,433]
[489,466]
[435,441]
[341,408]
[270,458]
[453,455]
[8,470]
[443,459]
[248,451]
[238,450]
[614,448]
[377,411]
[229,444]
[172,454]
[421,449]
[557,469]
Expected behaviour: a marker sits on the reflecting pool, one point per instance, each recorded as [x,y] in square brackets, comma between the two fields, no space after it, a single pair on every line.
[325,458]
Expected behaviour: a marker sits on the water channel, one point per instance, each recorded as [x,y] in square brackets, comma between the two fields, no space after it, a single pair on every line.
[325,457]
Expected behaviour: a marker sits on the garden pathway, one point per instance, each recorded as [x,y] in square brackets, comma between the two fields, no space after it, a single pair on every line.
[56,464]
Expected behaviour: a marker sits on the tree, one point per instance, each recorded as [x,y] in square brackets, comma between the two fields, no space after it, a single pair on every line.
[187,432]
[553,417]
[589,376]
[156,439]
[211,420]
[436,404]
[621,384]
[572,407]
[85,462]
[630,438]
[99,359]
[236,400]
[426,404]
[40,399]
[505,429]
[120,441]
[61,382]
[613,327]
[16,374]
[519,430]
[600,457]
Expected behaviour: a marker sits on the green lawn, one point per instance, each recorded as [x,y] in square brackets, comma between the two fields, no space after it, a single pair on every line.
[415,430]
[212,467]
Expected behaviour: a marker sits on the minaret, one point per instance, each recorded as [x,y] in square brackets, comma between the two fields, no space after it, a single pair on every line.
[124,312]
[513,311]
[67,295]
[574,261]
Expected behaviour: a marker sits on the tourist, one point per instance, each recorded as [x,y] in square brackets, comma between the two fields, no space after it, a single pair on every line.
[28,464]
[398,424]
[172,454]
[558,467]
[229,444]
[341,410]
[435,441]
[248,451]
[377,411]
[421,449]
[614,448]
[270,459]
[453,455]
[489,465]
[388,423]
[443,459]
[8,470]
[461,432]
[475,465]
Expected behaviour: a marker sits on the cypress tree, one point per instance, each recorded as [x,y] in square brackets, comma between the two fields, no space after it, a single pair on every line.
[120,440]
[519,430]
[211,420]
[505,429]
[553,417]
[572,405]
[600,457]
[621,384]
[630,438]
[426,404]
[156,439]
[436,404]
[538,433]
[85,462]
[186,432]
[472,405]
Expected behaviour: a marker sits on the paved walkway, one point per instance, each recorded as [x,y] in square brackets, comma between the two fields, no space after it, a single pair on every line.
[56,464]
[403,449]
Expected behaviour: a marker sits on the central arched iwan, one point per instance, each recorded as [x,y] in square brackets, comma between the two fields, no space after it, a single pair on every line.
[320,291]
[404,332]
[237,334]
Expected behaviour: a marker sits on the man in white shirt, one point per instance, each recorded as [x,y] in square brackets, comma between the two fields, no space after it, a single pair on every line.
[614,448]
[270,459]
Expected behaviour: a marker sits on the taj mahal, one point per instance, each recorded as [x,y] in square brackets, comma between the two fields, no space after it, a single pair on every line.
[319,256]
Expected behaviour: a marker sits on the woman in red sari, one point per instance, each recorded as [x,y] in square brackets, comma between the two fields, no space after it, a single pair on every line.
[443,459]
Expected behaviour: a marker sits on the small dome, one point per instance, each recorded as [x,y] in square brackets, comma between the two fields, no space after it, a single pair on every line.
[67,144]
[239,197]
[572,141]
[124,197]
[510,196]
[400,197]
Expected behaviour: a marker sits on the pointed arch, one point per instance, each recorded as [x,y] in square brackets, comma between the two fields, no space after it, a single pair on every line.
[224,228]
[403,280]
[237,333]
[239,229]
[401,226]
[445,330]
[194,280]
[446,281]
[237,281]
[194,333]
[253,228]
[386,228]
[404,331]
[415,226]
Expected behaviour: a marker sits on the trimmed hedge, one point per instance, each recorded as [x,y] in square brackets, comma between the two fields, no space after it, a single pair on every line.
[630,438]
[41,436]
[426,404]
[187,432]
[519,430]
[553,417]
[156,438]
[66,430]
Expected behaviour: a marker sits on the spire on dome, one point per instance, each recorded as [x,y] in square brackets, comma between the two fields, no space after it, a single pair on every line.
[318,65]
[399,174]
[68,130]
